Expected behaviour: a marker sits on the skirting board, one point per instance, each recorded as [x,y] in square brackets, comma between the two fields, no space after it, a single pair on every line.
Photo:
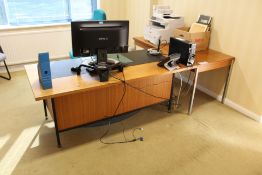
[231,104]
[228,102]
[12,68]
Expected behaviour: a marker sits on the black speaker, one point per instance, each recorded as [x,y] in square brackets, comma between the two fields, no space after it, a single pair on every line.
[103,71]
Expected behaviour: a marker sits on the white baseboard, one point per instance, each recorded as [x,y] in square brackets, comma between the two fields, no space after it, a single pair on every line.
[228,102]
[12,68]
[231,104]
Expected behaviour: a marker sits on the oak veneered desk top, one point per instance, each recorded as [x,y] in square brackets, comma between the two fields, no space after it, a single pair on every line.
[75,84]
[205,60]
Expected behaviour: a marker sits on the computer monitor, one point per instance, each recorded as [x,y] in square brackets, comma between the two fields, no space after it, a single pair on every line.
[99,38]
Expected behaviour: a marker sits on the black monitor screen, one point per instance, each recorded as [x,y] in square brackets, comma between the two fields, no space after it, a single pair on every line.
[90,37]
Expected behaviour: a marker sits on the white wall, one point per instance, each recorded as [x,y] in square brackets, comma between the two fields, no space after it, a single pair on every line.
[236,30]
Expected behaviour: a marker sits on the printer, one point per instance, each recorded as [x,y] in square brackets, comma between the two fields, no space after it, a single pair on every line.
[162,24]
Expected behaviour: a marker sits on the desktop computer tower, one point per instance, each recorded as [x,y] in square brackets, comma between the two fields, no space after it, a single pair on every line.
[186,49]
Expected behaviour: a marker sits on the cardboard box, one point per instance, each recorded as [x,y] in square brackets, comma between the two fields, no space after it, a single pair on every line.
[200,38]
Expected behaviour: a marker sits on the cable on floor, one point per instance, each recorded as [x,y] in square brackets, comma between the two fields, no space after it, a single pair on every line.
[123,127]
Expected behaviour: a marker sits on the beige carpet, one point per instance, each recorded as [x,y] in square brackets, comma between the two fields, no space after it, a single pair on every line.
[214,140]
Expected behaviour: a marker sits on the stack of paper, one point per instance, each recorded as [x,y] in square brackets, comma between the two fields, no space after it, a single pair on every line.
[196,27]
[202,24]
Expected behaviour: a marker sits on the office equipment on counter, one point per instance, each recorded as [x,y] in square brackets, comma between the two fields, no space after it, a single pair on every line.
[204,19]
[99,38]
[102,69]
[153,52]
[98,15]
[44,71]
[162,24]
[170,62]
[203,24]
[171,65]
[212,60]
[185,48]
[131,58]
[163,62]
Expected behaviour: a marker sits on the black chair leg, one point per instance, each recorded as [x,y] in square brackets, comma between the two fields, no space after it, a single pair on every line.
[9,76]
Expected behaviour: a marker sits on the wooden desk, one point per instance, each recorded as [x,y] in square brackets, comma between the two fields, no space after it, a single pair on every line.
[214,60]
[77,100]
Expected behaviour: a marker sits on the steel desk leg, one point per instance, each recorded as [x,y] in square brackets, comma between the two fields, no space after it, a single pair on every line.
[193,93]
[56,126]
[170,103]
[44,103]
[7,70]
[226,84]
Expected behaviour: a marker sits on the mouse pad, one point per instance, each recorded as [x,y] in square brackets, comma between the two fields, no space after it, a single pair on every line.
[141,57]
[62,68]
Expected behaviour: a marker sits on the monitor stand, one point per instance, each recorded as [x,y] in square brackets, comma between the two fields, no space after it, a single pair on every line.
[101,56]
[102,66]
